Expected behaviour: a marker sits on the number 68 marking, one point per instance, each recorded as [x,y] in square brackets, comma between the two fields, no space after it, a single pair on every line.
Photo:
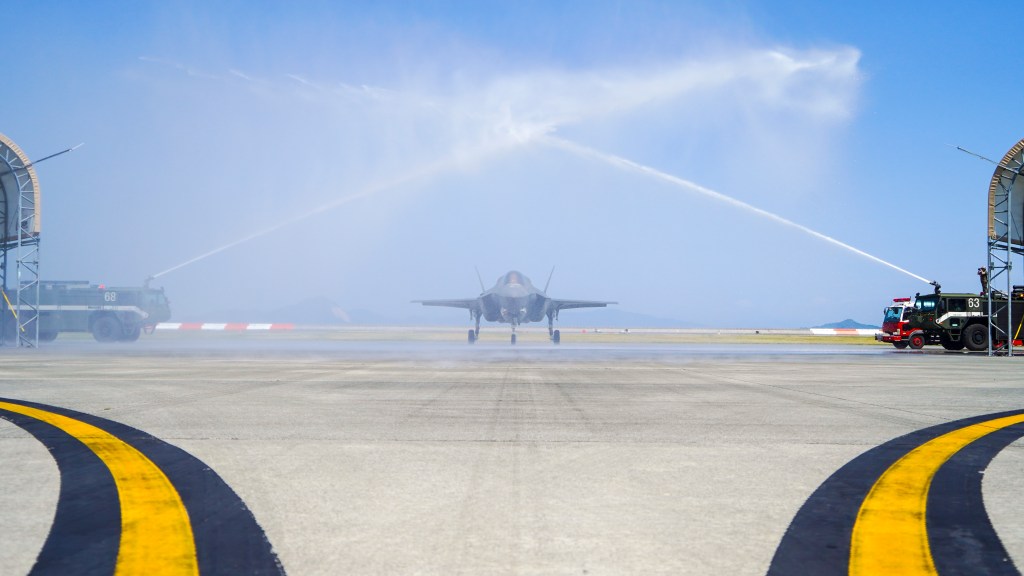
[110,296]
[974,302]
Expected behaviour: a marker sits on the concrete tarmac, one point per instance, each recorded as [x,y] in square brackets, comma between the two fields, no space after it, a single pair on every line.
[427,458]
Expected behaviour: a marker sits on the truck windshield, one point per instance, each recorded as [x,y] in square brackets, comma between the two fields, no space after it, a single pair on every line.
[925,304]
[893,314]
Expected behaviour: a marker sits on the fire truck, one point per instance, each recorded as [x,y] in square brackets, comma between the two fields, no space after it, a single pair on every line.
[111,314]
[955,321]
[894,322]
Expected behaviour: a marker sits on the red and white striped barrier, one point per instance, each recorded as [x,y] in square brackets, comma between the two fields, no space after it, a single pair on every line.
[844,331]
[227,326]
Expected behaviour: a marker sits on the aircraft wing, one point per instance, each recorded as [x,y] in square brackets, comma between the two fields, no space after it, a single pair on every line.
[567,304]
[467,303]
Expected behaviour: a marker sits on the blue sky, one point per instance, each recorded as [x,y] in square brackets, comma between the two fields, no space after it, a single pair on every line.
[373,153]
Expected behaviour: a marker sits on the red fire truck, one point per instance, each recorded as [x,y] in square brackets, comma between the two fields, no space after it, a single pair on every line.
[894,323]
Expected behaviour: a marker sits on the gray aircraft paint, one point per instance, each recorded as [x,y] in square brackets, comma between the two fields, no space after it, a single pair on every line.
[514,300]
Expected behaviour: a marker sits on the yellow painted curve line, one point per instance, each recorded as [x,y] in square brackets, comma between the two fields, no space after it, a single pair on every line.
[156,535]
[890,535]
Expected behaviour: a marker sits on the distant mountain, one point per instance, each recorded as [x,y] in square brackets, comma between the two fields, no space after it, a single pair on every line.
[848,323]
[322,311]
[591,317]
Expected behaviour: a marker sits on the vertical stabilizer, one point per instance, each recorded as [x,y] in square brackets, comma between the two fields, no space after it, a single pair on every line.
[479,279]
[548,283]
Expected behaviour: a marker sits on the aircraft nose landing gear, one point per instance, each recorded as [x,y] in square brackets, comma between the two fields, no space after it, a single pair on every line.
[556,336]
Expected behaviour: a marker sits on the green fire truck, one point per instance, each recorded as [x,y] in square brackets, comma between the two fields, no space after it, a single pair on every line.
[111,314]
[953,320]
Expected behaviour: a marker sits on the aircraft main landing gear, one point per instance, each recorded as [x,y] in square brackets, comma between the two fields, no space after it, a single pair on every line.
[513,337]
[474,333]
[555,335]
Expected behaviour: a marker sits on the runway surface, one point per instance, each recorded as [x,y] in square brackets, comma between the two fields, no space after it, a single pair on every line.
[441,458]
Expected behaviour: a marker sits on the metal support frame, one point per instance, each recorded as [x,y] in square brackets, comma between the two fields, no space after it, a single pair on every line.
[1001,251]
[28,290]
[20,206]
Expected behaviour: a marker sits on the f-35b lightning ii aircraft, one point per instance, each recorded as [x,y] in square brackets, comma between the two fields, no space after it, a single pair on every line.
[513,300]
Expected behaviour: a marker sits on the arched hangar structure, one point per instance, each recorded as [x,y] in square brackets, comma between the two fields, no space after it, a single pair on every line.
[1005,240]
[19,246]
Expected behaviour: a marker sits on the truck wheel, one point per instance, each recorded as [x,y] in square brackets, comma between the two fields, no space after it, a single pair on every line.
[975,337]
[132,334]
[900,345]
[47,336]
[916,341]
[106,329]
[949,344]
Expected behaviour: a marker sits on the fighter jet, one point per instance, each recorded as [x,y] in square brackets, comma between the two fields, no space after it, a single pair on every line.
[513,300]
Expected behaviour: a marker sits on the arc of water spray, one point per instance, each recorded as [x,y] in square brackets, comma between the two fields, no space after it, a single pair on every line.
[454,160]
[629,165]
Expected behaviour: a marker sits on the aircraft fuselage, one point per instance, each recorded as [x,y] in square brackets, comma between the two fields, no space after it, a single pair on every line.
[514,300]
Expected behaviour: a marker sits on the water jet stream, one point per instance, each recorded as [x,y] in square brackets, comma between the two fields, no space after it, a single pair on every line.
[453,161]
[629,165]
